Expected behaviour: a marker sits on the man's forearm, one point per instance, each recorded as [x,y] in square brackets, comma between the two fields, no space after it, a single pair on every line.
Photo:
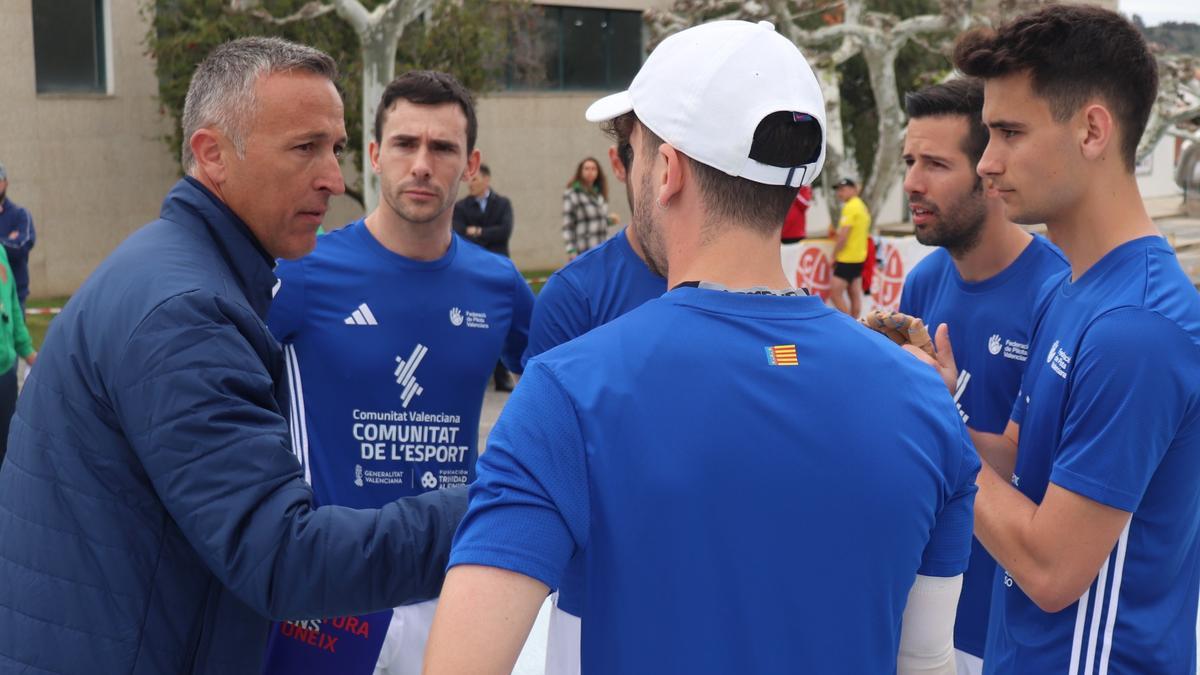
[997,450]
[840,242]
[482,620]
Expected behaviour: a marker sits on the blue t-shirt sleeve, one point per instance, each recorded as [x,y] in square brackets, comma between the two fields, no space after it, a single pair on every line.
[1132,385]
[517,340]
[1019,407]
[287,307]
[949,547]
[559,315]
[529,508]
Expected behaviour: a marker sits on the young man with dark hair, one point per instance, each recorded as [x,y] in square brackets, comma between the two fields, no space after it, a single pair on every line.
[664,449]
[391,328]
[982,283]
[1097,528]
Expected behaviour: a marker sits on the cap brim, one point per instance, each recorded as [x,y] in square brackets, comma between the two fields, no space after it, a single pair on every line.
[609,107]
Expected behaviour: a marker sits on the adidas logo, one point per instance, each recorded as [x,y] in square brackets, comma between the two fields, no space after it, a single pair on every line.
[361,317]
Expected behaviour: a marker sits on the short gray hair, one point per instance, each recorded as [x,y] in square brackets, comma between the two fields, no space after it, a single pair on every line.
[221,94]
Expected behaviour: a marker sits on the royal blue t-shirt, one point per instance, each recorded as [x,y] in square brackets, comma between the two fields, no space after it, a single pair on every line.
[989,324]
[388,359]
[602,284]
[593,289]
[1110,409]
[741,503]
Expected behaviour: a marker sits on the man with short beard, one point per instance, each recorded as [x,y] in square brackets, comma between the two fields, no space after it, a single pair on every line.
[1097,527]
[392,328]
[982,283]
[664,449]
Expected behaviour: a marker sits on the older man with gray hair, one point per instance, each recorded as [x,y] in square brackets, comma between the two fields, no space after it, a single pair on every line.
[152,515]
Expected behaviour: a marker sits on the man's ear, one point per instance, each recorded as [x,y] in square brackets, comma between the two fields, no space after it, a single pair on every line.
[373,154]
[473,161]
[210,158]
[1097,132]
[614,159]
[672,176]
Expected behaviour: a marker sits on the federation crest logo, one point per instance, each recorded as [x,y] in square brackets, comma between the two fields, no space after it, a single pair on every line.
[1053,351]
[782,355]
[429,481]
[994,345]
[358,475]
[456,316]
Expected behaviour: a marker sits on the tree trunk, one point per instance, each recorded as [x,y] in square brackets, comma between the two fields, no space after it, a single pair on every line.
[881,65]
[379,68]
[837,164]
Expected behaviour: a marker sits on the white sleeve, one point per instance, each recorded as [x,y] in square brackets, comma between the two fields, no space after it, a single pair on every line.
[927,631]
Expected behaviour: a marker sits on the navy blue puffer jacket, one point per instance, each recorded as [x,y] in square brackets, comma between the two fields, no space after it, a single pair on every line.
[152,515]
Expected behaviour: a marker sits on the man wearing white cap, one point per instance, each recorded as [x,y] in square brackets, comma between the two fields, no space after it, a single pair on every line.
[719,531]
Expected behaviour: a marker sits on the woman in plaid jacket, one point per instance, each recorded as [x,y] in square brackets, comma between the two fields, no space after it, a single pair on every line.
[585,209]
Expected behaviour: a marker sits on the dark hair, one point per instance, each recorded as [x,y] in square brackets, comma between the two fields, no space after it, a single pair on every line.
[483,169]
[601,184]
[427,87]
[779,140]
[962,97]
[1072,53]
[619,129]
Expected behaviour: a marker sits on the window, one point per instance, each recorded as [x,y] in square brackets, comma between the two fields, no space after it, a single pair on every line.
[575,48]
[68,46]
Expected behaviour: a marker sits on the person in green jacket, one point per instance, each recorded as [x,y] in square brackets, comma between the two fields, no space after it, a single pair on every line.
[14,342]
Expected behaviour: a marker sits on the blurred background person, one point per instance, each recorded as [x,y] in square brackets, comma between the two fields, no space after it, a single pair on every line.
[14,342]
[18,236]
[850,249]
[795,226]
[486,218]
[585,209]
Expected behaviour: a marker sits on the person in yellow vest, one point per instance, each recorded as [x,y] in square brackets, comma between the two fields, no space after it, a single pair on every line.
[850,249]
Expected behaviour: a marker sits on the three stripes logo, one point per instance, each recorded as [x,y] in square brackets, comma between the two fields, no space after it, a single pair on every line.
[782,355]
[404,374]
[361,317]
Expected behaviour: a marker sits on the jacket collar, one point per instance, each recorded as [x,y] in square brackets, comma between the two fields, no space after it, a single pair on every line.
[190,202]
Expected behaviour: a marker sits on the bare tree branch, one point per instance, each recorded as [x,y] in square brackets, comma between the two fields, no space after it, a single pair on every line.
[309,11]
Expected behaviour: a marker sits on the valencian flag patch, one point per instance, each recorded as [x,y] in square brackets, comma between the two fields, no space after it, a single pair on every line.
[782,355]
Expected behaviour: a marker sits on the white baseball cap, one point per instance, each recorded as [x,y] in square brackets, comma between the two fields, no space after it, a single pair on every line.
[706,89]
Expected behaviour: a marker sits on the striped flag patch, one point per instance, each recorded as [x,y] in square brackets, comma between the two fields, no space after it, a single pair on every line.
[782,355]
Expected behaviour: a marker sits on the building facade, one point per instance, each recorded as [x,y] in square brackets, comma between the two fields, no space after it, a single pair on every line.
[81,129]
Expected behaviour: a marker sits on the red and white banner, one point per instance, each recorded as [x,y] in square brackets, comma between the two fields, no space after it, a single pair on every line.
[809,264]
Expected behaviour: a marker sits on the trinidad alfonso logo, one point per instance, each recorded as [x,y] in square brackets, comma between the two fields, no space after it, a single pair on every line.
[405,374]
[456,316]
[1053,351]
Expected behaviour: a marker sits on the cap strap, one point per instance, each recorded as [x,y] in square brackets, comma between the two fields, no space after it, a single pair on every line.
[775,175]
